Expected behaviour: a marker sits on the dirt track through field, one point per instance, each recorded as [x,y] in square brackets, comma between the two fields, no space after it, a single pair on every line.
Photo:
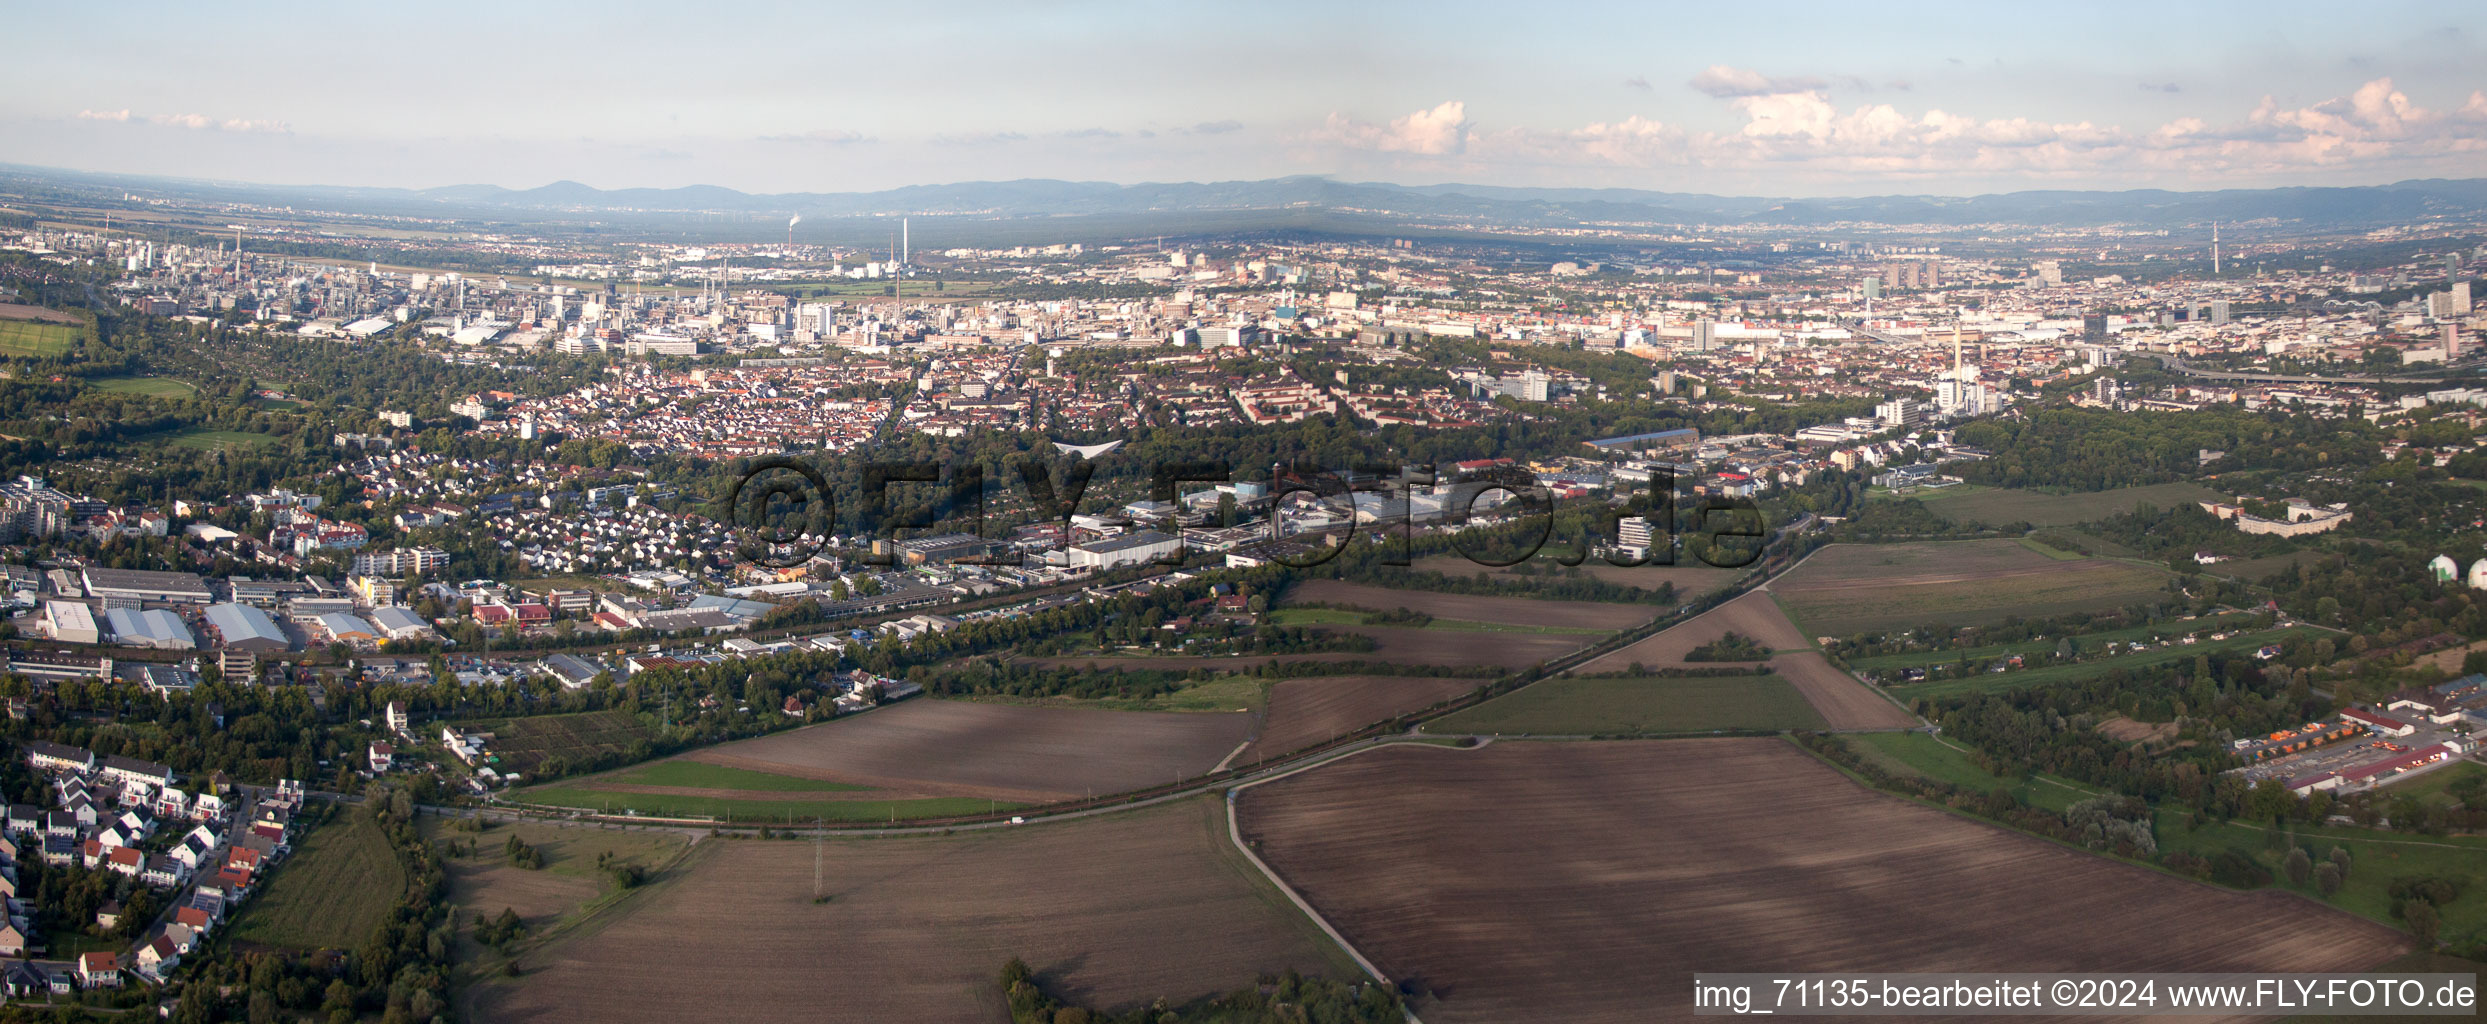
[995,751]
[1515,611]
[1753,615]
[1115,911]
[1843,702]
[1588,882]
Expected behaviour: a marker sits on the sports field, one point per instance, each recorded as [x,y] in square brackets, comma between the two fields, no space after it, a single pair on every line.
[31,339]
[216,440]
[1637,706]
[160,387]
[1845,589]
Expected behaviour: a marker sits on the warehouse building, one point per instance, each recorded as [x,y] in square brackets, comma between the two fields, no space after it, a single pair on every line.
[155,628]
[1130,549]
[240,627]
[70,622]
[142,585]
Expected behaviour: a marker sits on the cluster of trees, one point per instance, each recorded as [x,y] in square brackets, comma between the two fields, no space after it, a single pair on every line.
[1732,647]
[523,855]
[2084,449]
[1285,998]
[2054,728]
[500,933]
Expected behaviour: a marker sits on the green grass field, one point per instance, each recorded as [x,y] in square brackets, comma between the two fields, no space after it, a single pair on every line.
[1923,755]
[2433,787]
[27,339]
[2376,858]
[1997,506]
[1641,706]
[1914,659]
[795,812]
[160,387]
[332,893]
[1847,589]
[701,775]
[1349,617]
[2053,674]
[216,440]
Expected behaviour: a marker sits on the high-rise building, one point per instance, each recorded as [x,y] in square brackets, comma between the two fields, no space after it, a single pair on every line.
[1705,334]
[2050,272]
[1634,532]
[2452,268]
[1873,287]
[1898,412]
[2219,311]
[2094,328]
[2460,298]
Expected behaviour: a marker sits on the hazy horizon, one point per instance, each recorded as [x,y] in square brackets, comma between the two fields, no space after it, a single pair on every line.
[1861,102]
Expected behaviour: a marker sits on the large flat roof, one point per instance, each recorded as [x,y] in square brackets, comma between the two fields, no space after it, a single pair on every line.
[145,581]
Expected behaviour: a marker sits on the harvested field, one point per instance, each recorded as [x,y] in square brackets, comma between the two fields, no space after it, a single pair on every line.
[1114,911]
[1753,615]
[1843,702]
[938,748]
[1516,611]
[1845,589]
[487,882]
[1690,580]
[1306,711]
[1636,706]
[1574,867]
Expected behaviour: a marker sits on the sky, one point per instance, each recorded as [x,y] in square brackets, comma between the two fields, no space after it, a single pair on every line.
[1766,99]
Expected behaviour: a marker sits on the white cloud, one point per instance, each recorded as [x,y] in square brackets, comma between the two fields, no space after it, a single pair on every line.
[191,121]
[1804,132]
[1440,131]
[822,137]
[1725,82]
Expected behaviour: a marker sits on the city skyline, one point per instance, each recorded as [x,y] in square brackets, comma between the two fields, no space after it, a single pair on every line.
[1693,101]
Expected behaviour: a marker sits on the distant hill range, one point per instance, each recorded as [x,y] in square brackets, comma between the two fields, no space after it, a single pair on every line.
[1291,199]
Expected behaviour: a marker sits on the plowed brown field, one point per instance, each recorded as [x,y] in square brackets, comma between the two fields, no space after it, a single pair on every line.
[1587,882]
[935,748]
[1306,711]
[1516,611]
[1113,911]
